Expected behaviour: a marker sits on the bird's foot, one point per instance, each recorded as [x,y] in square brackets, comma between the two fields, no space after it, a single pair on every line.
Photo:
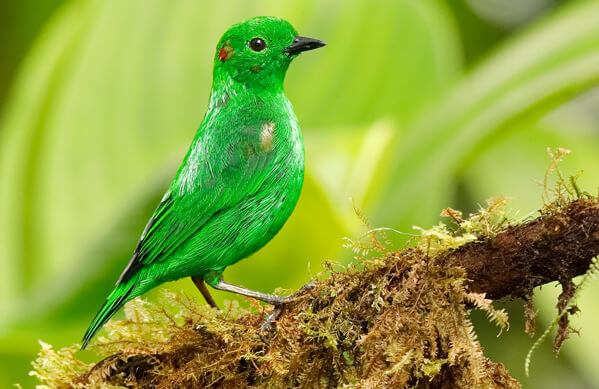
[269,324]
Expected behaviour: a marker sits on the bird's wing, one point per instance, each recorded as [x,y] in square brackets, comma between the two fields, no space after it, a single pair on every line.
[222,167]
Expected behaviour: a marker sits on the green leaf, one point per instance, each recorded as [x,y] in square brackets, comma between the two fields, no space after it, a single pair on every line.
[384,58]
[345,160]
[22,123]
[542,67]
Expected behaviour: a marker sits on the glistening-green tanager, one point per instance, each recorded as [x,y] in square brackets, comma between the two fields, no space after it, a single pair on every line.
[240,179]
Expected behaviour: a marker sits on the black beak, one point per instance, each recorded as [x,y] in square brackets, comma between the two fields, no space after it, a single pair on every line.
[301,43]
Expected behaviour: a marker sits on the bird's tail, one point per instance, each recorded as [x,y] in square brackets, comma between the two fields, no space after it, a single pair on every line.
[119,296]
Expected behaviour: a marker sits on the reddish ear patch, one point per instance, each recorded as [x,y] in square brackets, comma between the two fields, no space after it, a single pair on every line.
[222,54]
[226,52]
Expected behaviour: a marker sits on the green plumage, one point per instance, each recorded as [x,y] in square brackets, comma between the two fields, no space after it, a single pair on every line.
[241,177]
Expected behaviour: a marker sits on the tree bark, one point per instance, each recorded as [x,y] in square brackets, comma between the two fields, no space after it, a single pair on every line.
[557,246]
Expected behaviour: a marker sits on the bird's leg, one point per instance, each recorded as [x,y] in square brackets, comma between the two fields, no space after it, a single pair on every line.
[277,301]
[215,280]
[267,298]
[201,285]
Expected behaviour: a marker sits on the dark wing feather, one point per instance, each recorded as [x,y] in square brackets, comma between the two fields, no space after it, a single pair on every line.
[136,261]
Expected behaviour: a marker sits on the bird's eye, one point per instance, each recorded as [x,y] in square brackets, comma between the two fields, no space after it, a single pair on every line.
[257,44]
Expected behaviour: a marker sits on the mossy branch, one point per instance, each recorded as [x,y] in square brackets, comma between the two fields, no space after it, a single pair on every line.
[391,319]
[557,246]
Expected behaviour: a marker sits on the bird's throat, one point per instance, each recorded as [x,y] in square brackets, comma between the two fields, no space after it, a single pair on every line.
[226,86]
[224,89]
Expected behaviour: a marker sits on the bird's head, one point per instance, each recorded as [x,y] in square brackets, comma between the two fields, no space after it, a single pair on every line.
[258,52]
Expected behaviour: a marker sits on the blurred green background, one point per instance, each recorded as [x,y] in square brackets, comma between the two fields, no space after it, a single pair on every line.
[414,106]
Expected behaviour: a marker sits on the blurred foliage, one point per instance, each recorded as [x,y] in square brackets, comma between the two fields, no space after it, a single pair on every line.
[415,105]
[19,24]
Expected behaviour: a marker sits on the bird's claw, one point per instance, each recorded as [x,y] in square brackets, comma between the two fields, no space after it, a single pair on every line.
[269,324]
[309,286]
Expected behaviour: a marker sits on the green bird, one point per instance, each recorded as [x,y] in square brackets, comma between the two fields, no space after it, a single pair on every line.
[240,179]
